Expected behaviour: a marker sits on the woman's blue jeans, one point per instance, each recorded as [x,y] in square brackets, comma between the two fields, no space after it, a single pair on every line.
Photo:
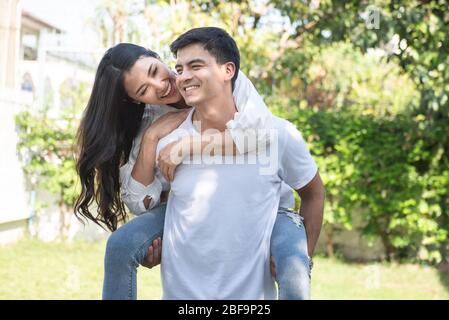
[127,247]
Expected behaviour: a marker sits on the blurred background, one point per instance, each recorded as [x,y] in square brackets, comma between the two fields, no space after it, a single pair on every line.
[366,82]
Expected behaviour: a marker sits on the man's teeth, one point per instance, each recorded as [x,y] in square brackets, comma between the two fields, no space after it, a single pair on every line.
[168,91]
[191,88]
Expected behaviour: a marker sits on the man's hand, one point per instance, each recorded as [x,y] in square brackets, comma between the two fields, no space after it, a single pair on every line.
[170,157]
[153,257]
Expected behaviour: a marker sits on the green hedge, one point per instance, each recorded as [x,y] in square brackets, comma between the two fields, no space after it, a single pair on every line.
[389,168]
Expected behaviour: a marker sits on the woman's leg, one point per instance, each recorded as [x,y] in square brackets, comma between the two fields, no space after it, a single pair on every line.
[125,250]
[289,250]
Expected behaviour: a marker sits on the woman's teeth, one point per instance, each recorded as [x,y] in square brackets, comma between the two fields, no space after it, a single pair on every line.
[167,92]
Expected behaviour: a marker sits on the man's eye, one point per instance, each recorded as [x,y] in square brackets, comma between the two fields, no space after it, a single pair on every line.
[179,71]
[143,92]
[196,67]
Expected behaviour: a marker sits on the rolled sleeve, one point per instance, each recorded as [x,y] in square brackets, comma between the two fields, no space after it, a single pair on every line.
[251,124]
[133,192]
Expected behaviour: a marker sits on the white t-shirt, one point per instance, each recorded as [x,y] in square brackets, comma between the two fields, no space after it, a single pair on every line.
[252,114]
[220,217]
[287,197]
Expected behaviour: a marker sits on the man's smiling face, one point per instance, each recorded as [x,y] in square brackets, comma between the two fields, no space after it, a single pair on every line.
[200,78]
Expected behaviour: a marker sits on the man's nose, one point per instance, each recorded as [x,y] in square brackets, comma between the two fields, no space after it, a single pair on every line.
[183,77]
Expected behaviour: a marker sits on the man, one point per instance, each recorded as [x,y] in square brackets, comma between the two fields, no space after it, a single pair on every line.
[220,214]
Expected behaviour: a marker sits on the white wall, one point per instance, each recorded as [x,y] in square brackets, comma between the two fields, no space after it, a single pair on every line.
[13,198]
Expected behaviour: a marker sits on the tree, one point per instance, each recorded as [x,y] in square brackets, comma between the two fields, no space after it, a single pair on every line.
[47,145]
[114,21]
[414,35]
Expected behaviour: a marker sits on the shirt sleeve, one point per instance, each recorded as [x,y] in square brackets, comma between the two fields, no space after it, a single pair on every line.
[251,124]
[296,165]
[133,192]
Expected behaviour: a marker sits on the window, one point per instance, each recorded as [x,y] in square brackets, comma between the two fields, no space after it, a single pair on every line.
[30,45]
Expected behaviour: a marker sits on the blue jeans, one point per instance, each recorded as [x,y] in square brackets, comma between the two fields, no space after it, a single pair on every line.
[128,245]
[289,250]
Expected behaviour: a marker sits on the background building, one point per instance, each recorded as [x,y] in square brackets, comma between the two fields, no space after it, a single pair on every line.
[34,64]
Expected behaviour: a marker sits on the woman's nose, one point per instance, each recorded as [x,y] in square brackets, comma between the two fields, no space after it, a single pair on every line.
[158,83]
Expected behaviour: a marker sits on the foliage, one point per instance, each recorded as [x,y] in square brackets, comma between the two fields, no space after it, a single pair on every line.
[413,35]
[368,166]
[339,76]
[371,100]
[46,145]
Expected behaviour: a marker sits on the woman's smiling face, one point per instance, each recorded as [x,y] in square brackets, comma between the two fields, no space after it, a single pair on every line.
[150,81]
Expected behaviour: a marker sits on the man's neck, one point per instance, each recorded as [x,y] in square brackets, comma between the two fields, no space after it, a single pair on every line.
[181,104]
[214,114]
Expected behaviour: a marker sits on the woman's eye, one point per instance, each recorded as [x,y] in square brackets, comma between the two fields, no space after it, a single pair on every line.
[143,92]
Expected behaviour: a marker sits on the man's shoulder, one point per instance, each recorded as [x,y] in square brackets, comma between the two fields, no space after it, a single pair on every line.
[283,126]
[287,133]
[279,122]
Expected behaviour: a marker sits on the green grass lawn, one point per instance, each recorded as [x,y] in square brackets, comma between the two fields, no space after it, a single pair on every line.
[32,269]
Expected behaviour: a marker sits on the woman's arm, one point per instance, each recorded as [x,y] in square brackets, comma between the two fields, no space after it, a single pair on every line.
[245,132]
[175,152]
[143,169]
[141,190]
[253,120]
[137,196]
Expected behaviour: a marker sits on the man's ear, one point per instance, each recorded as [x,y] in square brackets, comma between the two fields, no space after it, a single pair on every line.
[230,70]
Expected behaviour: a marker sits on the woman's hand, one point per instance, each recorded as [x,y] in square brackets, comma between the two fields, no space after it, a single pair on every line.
[166,124]
[171,156]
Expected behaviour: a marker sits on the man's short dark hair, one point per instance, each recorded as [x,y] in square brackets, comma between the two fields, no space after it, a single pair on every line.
[216,41]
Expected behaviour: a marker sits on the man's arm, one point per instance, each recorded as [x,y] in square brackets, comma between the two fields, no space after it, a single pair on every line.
[312,207]
[298,169]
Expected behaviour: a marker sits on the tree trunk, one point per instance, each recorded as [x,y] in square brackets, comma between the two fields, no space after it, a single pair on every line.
[329,230]
[389,249]
[64,221]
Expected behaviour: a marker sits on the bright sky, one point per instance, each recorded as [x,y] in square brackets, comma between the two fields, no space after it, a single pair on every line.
[69,15]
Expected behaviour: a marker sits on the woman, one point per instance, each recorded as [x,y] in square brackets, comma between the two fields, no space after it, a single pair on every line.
[117,139]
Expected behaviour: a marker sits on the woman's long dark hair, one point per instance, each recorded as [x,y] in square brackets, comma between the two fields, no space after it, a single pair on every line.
[108,127]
